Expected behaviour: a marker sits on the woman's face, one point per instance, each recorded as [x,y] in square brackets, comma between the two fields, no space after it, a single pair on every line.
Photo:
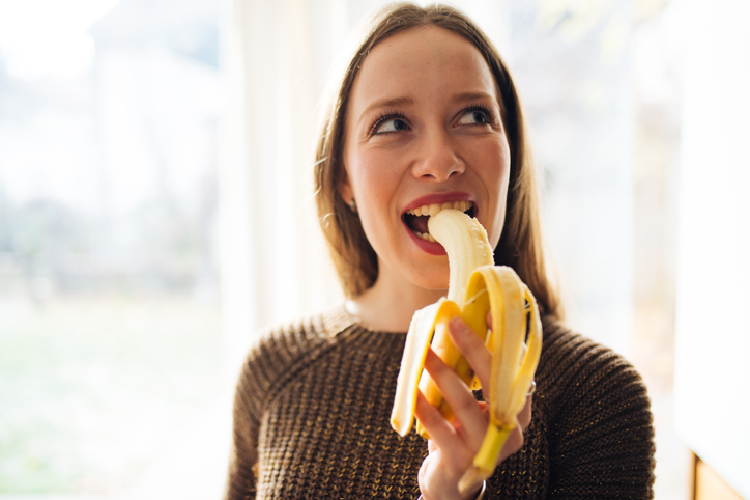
[423,129]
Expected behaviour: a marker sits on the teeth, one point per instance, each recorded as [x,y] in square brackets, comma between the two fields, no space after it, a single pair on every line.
[425,236]
[435,208]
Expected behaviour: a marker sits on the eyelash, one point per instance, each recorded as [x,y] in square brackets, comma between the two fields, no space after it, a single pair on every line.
[483,108]
[390,115]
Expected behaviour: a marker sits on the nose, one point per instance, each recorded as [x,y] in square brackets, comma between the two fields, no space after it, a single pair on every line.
[438,159]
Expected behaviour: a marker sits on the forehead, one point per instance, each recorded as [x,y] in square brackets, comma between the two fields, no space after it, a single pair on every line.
[422,62]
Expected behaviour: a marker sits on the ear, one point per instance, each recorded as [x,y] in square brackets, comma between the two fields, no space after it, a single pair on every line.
[345,189]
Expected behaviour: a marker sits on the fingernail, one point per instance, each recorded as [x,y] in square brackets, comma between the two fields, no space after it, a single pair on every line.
[456,325]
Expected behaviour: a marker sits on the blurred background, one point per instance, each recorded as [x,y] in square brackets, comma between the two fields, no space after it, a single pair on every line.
[156,211]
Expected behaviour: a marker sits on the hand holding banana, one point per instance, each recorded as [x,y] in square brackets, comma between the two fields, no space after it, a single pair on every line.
[476,288]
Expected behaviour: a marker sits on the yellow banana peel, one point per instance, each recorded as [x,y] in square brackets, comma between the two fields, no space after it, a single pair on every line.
[476,287]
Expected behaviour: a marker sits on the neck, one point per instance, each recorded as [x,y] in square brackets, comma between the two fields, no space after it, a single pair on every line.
[389,304]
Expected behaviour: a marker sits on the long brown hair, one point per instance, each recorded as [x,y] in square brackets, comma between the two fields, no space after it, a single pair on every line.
[520,245]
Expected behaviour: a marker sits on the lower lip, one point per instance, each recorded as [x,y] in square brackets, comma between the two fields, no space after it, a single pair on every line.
[428,246]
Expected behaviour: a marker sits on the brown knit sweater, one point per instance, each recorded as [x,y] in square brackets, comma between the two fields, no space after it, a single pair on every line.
[312,420]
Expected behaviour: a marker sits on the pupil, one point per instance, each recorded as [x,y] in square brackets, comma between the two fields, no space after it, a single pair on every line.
[399,124]
[478,116]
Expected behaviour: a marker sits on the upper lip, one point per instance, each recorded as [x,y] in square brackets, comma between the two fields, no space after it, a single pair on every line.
[439,198]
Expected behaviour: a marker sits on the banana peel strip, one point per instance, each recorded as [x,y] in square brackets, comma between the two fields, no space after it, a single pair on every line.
[418,340]
[490,289]
[509,379]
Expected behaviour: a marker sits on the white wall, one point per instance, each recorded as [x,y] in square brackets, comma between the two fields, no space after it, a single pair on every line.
[712,398]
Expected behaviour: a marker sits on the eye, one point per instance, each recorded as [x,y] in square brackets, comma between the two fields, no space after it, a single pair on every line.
[476,115]
[473,117]
[389,124]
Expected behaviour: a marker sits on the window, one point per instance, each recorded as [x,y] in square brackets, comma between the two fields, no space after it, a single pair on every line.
[110,339]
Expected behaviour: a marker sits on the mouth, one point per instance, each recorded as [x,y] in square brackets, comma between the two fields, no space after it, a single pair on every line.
[416,219]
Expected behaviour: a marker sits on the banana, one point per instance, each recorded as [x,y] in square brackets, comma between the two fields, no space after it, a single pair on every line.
[476,287]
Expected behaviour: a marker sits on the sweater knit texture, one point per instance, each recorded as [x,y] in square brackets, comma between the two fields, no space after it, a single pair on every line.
[312,420]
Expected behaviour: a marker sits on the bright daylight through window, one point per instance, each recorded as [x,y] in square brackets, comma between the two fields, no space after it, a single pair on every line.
[110,339]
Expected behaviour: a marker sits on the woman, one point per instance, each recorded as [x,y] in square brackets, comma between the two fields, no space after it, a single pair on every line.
[426,114]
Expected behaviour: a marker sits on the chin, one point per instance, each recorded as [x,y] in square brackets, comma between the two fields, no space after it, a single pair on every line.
[433,282]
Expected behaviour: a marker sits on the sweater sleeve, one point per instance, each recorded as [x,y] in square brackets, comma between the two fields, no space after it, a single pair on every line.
[269,364]
[601,437]
[263,368]
[246,416]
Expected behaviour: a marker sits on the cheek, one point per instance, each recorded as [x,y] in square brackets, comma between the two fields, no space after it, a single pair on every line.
[496,177]
[374,185]
[493,163]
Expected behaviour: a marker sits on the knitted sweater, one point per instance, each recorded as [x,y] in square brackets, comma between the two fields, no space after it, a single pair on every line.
[312,421]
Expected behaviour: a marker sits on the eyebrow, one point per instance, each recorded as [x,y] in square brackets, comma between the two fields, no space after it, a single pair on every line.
[473,96]
[394,102]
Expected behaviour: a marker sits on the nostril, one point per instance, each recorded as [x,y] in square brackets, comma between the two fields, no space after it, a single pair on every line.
[438,172]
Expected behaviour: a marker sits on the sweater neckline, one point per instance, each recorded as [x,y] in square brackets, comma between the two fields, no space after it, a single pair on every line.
[339,319]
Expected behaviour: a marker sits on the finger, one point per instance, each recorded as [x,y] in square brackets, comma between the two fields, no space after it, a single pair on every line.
[471,419]
[443,435]
[524,418]
[516,437]
[431,446]
[473,349]
[512,444]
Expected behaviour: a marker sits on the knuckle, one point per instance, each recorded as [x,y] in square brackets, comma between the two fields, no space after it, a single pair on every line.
[465,404]
[516,440]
